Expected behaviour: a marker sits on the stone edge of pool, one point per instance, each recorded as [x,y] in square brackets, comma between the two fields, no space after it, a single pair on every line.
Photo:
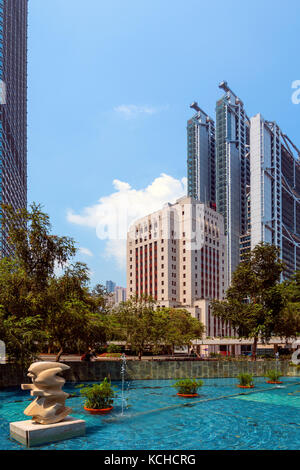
[12,375]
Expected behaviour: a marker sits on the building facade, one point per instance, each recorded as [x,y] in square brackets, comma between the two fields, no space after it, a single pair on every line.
[120,294]
[275,191]
[232,171]
[110,286]
[13,108]
[201,157]
[177,255]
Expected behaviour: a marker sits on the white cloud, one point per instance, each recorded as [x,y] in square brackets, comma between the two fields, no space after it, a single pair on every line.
[113,214]
[130,111]
[85,251]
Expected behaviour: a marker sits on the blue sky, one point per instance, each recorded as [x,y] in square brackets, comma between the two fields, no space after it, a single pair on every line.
[109,88]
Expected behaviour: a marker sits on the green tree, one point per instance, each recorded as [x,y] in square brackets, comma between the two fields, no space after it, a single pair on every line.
[142,324]
[36,250]
[38,307]
[254,301]
[289,324]
[134,322]
[23,337]
[179,328]
[74,316]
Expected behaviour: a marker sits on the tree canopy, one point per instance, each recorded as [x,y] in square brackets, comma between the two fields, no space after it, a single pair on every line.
[254,301]
[142,324]
[38,307]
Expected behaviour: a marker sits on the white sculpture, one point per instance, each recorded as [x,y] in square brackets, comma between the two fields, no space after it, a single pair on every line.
[49,406]
[296,354]
[296,357]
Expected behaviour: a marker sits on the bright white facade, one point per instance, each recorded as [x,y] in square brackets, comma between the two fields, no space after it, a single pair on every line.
[177,255]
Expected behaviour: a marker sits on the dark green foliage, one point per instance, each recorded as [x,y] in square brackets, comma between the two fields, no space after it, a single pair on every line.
[98,396]
[188,386]
[114,348]
[273,375]
[40,310]
[254,301]
[245,379]
[142,325]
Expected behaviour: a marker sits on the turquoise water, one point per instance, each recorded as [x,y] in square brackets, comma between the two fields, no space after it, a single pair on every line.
[156,418]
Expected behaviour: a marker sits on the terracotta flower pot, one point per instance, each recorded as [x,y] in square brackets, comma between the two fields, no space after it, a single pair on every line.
[274,382]
[245,386]
[186,395]
[102,411]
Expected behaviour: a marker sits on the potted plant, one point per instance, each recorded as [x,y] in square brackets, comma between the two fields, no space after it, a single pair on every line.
[99,397]
[273,376]
[188,387]
[246,380]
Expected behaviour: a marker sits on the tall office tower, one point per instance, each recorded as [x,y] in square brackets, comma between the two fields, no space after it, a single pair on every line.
[13,108]
[275,191]
[110,286]
[232,171]
[120,294]
[201,156]
[178,256]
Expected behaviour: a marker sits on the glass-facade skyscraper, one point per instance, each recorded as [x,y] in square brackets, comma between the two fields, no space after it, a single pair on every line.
[232,171]
[275,191]
[201,165]
[13,107]
[110,286]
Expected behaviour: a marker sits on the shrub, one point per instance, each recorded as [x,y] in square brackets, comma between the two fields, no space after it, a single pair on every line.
[273,375]
[98,396]
[188,386]
[245,379]
[214,355]
[114,348]
[291,364]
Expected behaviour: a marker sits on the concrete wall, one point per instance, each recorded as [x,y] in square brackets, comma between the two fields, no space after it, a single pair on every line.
[11,375]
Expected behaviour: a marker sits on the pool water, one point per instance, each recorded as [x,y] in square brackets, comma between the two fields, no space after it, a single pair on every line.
[267,417]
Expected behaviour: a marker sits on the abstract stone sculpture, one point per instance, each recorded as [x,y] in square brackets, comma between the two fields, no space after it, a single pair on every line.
[49,406]
[296,357]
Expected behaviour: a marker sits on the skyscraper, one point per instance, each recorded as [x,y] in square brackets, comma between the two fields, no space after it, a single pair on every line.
[13,107]
[110,286]
[177,256]
[275,191]
[120,294]
[201,156]
[232,171]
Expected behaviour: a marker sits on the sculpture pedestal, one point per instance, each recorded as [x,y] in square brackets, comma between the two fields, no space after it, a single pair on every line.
[33,434]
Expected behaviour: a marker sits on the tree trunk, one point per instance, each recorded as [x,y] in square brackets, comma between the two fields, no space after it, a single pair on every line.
[57,359]
[254,348]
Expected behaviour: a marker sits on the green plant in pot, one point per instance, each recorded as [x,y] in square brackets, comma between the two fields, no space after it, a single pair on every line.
[188,387]
[99,397]
[273,376]
[245,380]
